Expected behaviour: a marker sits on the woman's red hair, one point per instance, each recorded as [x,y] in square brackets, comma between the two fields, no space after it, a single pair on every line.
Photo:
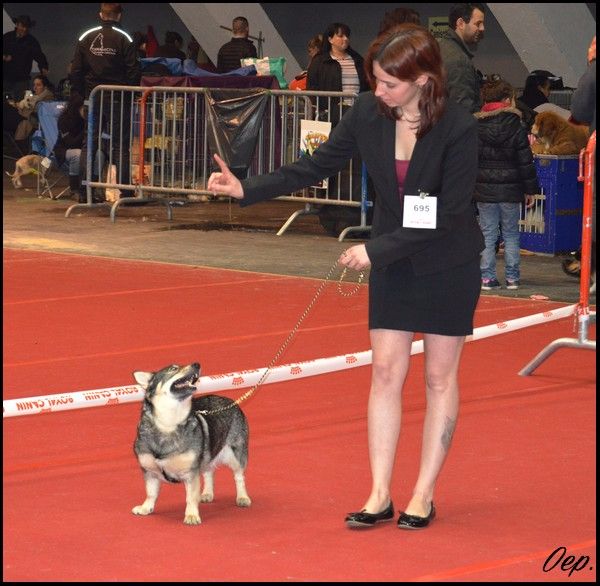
[405,52]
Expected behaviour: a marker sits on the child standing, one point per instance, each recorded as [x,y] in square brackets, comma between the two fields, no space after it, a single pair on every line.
[505,178]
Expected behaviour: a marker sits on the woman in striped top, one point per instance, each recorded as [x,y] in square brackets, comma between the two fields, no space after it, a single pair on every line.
[337,68]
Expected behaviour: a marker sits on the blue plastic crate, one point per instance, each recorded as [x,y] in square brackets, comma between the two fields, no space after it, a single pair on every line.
[562,206]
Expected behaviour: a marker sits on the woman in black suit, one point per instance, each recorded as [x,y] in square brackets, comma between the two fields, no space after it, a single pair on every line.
[421,152]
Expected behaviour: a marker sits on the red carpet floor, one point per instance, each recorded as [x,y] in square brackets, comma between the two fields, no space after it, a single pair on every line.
[518,485]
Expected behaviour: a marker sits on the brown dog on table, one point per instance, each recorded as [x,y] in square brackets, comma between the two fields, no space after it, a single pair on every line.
[557,136]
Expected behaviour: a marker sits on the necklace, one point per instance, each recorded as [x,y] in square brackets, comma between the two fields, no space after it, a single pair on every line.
[402,116]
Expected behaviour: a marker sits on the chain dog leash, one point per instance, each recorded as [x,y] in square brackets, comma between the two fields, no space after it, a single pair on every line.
[282,348]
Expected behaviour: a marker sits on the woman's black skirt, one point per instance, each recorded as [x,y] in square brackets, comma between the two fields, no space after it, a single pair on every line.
[440,303]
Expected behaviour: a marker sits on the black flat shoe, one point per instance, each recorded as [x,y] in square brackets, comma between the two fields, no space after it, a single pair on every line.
[363,519]
[414,521]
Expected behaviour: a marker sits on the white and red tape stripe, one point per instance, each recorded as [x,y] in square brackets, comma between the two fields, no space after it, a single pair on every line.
[248,378]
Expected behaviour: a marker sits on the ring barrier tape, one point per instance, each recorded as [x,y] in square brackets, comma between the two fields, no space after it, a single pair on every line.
[247,378]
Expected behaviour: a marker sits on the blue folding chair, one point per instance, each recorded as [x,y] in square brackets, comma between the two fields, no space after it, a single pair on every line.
[43,142]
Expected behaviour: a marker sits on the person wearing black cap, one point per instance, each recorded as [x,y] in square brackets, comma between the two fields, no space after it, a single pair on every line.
[19,50]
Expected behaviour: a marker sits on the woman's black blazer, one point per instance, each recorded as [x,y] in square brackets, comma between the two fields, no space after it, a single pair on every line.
[443,164]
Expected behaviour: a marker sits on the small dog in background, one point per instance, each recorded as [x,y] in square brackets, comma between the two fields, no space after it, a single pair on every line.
[26,165]
[175,443]
[557,136]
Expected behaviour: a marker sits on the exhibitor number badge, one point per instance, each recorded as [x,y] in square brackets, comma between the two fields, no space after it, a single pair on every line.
[420,211]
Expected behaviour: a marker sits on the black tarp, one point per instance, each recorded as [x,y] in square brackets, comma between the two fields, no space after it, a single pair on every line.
[234,120]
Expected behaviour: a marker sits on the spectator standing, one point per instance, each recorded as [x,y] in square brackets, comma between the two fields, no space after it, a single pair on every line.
[537,89]
[106,54]
[19,50]
[505,179]
[337,68]
[313,47]
[535,97]
[172,47]
[240,47]
[466,22]
[416,144]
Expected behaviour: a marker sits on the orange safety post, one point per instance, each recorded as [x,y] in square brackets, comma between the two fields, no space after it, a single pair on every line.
[141,176]
[587,171]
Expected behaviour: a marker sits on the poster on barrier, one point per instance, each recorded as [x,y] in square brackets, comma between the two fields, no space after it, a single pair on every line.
[314,133]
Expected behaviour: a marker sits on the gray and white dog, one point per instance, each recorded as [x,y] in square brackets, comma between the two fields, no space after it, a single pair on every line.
[174,443]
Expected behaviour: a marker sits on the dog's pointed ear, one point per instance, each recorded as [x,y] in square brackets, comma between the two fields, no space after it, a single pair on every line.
[143,378]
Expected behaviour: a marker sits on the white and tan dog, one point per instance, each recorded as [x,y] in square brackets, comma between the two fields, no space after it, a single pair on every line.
[26,165]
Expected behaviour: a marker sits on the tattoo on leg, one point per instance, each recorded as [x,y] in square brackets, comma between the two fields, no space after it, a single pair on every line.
[449,426]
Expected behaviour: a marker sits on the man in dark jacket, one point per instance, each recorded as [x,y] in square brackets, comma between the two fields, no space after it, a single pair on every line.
[19,51]
[106,55]
[466,24]
[240,47]
[506,174]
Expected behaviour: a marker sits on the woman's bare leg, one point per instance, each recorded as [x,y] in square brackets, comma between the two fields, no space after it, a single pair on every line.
[391,355]
[442,357]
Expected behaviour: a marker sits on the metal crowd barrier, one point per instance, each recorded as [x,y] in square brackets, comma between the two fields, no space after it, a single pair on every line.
[155,143]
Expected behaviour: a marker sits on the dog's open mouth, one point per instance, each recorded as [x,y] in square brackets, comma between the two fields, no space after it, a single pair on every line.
[186,384]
